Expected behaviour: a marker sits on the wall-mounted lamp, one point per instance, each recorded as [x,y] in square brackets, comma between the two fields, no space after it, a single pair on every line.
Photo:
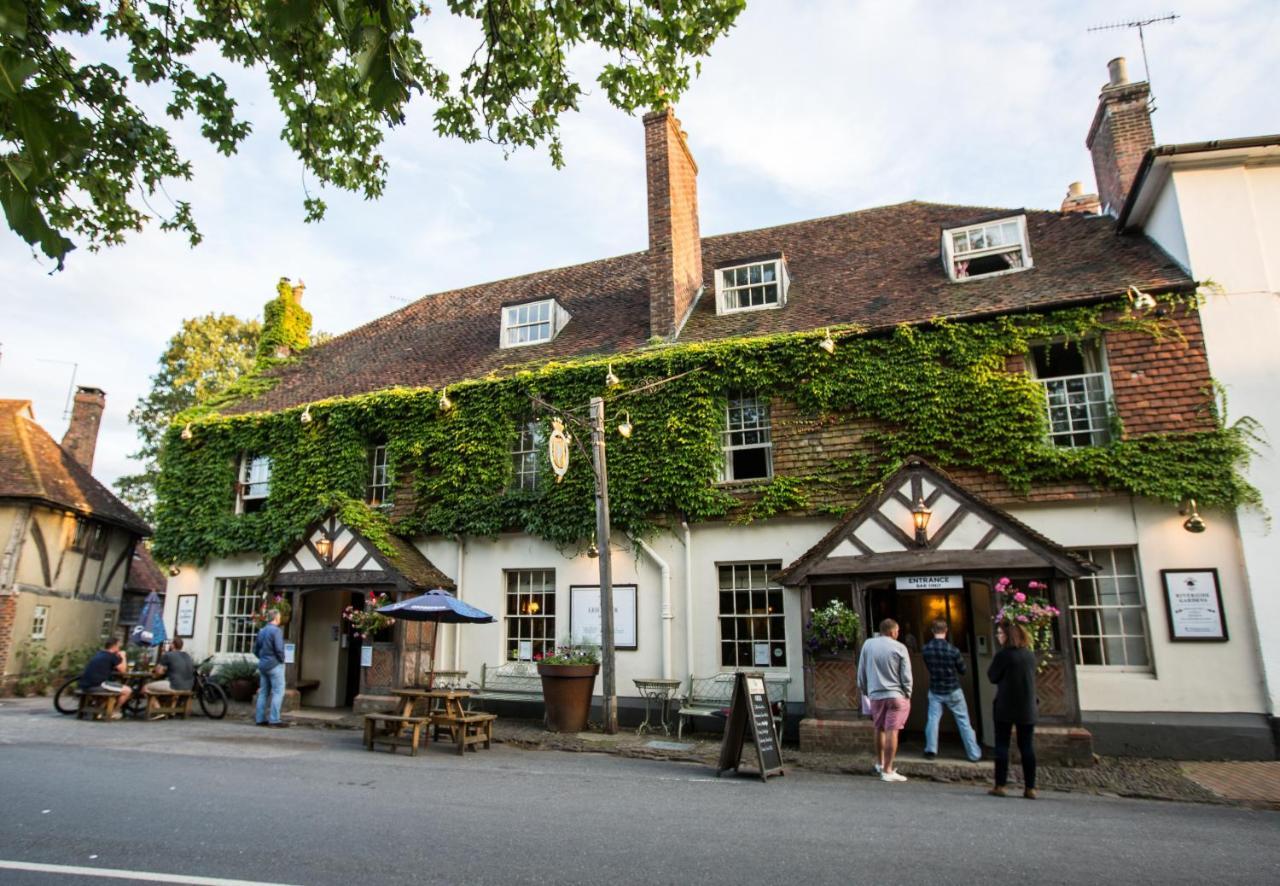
[828,343]
[592,550]
[920,515]
[625,428]
[186,432]
[611,380]
[324,547]
[305,418]
[445,403]
[1194,522]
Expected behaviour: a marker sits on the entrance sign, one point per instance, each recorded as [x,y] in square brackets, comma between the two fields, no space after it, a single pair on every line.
[584,616]
[751,714]
[1193,602]
[928,582]
[186,622]
[366,656]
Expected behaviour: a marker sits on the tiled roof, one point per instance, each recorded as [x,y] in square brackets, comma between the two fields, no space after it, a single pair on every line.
[145,575]
[33,466]
[878,267]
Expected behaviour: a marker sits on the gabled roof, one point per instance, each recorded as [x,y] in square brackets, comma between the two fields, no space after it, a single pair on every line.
[34,467]
[878,268]
[965,532]
[145,575]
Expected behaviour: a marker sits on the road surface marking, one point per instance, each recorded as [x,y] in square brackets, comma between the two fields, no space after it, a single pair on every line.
[76,871]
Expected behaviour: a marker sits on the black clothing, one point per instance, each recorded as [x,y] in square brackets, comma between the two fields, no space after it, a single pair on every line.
[100,669]
[1014,673]
[1026,747]
[179,670]
[944,663]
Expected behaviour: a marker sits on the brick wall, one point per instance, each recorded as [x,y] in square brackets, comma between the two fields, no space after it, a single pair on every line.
[8,615]
[675,245]
[1119,137]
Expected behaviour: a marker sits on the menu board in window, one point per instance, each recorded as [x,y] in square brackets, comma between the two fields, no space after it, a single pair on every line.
[751,714]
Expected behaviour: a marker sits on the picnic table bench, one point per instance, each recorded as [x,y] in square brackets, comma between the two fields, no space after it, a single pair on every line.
[98,703]
[709,696]
[169,703]
[390,730]
[469,728]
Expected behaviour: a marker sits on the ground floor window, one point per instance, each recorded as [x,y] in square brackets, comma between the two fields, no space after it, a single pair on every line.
[1108,613]
[530,613]
[233,618]
[39,622]
[108,624]
[753,627]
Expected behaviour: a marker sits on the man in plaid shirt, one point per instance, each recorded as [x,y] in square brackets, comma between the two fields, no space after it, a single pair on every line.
[945,664]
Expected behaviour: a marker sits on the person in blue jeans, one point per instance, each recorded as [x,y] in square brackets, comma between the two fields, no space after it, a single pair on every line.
[269,647]
[945,665]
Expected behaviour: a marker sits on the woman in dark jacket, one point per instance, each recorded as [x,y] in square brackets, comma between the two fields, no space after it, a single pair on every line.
[1013,670]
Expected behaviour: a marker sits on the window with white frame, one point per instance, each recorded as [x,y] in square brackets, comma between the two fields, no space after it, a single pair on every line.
[748,447]
[753,626]
[233,617]
[530,613]
[532,323]
[1108,614]
[108,624]
[996,247]
[255,483]
[751,286]
[524,457]
[39,622]
[377,491]
[1077,390]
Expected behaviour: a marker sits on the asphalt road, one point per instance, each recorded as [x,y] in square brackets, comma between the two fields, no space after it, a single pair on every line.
[307,806]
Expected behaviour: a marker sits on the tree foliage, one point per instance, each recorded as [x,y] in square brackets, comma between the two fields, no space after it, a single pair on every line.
[81,158]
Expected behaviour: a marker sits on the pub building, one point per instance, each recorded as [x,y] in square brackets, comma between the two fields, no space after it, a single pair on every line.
[1154,607]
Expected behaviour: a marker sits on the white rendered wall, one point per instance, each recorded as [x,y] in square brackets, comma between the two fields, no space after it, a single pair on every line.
[202,581]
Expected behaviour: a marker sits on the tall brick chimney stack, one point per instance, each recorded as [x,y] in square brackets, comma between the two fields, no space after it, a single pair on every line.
[1120,135]
[675,245]
[81,438]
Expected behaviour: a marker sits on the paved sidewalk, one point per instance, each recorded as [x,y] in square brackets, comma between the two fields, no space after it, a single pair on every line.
[1255,784]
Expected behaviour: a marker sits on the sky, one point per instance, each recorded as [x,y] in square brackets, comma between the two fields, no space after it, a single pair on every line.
[805,109]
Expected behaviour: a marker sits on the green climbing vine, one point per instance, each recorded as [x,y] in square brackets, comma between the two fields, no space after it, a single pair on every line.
[941,391]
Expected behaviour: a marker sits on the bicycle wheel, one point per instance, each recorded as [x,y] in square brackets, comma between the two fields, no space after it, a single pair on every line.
[213,701]
[67,699]
[136,706]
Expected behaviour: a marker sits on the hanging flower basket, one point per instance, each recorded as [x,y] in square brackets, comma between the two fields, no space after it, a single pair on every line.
[368,621]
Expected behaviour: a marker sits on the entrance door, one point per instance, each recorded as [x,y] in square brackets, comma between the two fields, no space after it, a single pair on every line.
[353,642]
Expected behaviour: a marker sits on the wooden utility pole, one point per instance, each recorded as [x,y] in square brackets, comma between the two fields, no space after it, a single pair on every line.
[608,686]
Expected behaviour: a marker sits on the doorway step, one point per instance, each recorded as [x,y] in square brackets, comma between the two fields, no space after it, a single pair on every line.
[1055,745]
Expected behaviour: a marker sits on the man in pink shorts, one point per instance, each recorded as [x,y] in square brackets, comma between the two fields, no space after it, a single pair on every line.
[884,678]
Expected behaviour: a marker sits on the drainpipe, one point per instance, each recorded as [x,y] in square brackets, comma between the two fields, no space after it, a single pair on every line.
[667,614]
[457,628]
[688,593]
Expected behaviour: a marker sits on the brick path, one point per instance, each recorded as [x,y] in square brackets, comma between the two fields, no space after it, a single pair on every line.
[1253,783]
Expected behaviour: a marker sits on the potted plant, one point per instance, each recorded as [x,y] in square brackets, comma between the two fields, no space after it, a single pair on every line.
[568,678]
[239,678]
[831,638]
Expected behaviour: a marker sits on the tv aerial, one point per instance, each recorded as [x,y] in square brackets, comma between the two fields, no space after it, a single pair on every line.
[1141,24]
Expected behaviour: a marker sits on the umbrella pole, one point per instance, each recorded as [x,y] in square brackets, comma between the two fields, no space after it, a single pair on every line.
[435,637]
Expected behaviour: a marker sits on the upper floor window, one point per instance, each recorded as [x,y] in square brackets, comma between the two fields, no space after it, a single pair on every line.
[997,247]
[98,547]
[524,457]
[81,534]
[1077,390]
[748,447]
[255,483]
[751,286]
[377,491]
[532,323]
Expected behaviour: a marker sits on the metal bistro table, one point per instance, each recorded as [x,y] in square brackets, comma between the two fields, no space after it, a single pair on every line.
[657,692]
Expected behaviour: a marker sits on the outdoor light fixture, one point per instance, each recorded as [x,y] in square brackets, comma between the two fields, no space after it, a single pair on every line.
[920,515]
[1141,299]
[324,547]
[828,343]
[612,380]
[1194,522]
[305,418]
[592,551]
[445,403]
[625,428]
[186,432]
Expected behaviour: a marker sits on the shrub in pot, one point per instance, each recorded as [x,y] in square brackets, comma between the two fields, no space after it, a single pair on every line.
[568,678]
[239,678]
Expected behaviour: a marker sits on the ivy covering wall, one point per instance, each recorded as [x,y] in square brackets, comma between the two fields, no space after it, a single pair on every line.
[940,391]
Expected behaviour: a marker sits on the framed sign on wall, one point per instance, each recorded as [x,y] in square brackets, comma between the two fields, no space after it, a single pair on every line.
[1193,603]
[584,615]
[185,626]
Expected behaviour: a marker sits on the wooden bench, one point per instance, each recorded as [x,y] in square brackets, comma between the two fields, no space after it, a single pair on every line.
[709,696]
[99,704]
[171,703]
[389,729]
[509,681]
[468,730]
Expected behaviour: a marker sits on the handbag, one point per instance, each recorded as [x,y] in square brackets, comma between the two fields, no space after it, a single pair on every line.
[866,705]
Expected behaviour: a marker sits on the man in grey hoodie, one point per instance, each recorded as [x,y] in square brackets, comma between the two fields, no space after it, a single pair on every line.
[884,678]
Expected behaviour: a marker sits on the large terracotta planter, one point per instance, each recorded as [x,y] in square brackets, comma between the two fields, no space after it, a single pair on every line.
[241,689]
[566,690]
[835,685]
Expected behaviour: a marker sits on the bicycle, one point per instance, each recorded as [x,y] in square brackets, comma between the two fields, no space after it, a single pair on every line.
[211,696]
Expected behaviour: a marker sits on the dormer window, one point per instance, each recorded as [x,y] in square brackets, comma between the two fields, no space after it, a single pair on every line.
[532,323]
[997,247]
[752,285]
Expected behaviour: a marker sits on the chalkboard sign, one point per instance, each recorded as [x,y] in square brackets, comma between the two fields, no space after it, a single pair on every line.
[750,714]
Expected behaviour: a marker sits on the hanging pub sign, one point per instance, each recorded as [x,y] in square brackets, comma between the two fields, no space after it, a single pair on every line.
[558,449]
[751,714]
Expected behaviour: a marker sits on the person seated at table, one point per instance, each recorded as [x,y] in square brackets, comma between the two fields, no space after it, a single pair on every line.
[177,667]
[102,667]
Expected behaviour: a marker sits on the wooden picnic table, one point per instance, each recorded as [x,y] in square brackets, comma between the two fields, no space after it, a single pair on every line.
[447,711]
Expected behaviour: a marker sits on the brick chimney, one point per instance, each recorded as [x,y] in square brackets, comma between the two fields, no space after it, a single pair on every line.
[675,246]
[81,438]
[1080,202]
[1120,135]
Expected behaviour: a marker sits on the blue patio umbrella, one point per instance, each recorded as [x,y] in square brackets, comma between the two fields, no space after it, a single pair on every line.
[149,631]
[439,606]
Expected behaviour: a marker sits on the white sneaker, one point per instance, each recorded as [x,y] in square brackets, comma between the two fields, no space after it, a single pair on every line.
[892,776]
